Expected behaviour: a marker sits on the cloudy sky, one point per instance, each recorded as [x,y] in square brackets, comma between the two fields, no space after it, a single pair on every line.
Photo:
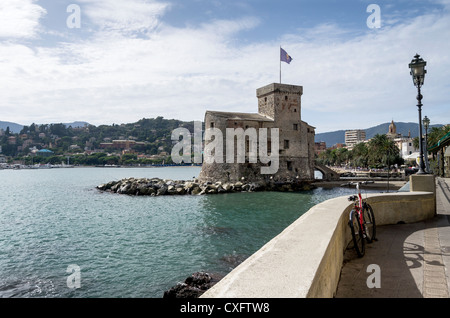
[117,61]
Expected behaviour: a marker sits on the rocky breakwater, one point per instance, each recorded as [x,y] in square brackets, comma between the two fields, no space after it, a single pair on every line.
[157,187]
[193,287]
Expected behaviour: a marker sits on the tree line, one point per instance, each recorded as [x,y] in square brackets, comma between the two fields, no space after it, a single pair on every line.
[95,159]
[379,152]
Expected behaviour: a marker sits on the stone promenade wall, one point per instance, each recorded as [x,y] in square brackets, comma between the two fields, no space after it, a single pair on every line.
[305,260]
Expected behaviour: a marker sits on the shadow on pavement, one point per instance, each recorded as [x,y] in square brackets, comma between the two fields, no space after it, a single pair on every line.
[399,255]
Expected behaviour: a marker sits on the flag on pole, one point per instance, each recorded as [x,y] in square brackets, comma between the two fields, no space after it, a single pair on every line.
[284,57]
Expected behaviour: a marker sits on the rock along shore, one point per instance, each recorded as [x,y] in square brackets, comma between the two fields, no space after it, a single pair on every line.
[193,287]
[158,187]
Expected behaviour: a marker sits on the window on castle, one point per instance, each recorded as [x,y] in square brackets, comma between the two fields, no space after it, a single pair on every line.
[289,165]
[212,124]
[285,98]
[295,110]
[295,126]
[286,144]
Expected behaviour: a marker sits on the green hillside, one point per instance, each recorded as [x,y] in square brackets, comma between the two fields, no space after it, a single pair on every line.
[154,135]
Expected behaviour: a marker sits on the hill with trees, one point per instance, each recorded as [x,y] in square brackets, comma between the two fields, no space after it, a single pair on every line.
[83,143]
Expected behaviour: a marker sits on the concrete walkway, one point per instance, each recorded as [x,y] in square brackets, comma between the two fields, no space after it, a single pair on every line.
[411,260]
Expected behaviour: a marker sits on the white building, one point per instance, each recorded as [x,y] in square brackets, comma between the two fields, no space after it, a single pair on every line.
[353,137]
[407,148]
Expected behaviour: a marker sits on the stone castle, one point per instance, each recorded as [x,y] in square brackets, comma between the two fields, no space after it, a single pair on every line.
[279,106]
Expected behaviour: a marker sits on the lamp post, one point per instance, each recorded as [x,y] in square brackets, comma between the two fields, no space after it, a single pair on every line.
[418,72]
[426,124]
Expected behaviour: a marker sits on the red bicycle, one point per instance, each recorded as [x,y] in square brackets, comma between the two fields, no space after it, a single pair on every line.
[361,220]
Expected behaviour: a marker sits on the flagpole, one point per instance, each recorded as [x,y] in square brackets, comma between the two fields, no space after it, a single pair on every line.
[280,64]
[285,58]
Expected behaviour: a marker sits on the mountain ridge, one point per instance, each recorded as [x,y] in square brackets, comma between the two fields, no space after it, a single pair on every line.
[16,128]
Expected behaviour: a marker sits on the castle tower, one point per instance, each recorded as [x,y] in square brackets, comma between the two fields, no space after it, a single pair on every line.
[280,101]
[279,106]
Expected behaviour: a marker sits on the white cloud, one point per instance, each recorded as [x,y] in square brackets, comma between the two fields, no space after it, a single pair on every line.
[181,72]
[20,18]
[177,73]
[366,79]
[127,16]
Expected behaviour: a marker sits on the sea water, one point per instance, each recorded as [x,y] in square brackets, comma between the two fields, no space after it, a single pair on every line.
[53,221]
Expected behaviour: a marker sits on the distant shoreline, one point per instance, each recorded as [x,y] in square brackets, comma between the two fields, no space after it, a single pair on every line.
[25,167]
[137,167]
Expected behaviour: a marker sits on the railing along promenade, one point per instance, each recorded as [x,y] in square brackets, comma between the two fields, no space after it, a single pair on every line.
[305,260]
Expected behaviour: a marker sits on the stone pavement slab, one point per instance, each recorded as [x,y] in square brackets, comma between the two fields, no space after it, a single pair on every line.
[410,260]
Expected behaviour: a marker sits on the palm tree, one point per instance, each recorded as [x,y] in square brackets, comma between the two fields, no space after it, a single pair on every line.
[341,156]
[359,155]
[434,136]
[437,133]
[383,152]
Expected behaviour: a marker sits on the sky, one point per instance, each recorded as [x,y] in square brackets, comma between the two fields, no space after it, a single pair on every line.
[118,61]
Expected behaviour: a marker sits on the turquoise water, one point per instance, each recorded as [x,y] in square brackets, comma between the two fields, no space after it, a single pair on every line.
[128,246]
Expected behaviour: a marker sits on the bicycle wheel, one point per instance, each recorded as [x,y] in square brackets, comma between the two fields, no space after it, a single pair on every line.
[369,223]
[357,233]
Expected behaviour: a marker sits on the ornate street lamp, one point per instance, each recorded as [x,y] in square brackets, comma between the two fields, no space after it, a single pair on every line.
[418,72]
[426,124]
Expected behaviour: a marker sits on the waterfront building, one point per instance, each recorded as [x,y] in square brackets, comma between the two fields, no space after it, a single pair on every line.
[403,143]
[121,144]
[279,106]
[407,148]
[45,153]
[337,146]
[320,147]
[12,140]
[353,137]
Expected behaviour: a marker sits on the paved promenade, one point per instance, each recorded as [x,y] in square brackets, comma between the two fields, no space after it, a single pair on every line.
[413,259]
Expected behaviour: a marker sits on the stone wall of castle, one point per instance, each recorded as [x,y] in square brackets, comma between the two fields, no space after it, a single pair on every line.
[279,106]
